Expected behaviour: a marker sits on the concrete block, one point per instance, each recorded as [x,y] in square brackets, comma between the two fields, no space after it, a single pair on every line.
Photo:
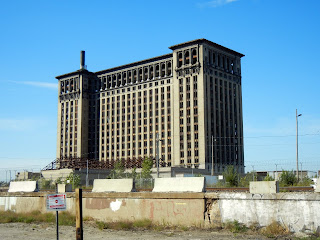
[64,188]
[317,186]
[23,186]
[185,184]
[264,187]
[112,185]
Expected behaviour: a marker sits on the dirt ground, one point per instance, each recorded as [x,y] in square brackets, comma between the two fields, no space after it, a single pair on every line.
[43,231]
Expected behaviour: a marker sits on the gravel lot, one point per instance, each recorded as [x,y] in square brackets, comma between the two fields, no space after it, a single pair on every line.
[43,231]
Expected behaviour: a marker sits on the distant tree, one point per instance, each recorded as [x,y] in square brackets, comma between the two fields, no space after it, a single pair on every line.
[45,184]
[3,184]
[146,168]
[231,176]
[288,178]
[305,182]
[134,174]
[74,179]
[268,178]
[59,180]
[118,171]
[249,177]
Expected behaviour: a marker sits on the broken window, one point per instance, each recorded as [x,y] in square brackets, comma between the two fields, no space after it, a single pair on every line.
[180,59]
[187,57]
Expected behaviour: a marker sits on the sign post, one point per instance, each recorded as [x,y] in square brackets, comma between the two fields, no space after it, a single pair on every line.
[56,202]
[79,226]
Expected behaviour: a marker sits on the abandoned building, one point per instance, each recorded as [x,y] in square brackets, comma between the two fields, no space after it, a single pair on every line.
[188,102]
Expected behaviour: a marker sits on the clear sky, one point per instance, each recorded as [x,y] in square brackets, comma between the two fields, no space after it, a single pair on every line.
[280,39]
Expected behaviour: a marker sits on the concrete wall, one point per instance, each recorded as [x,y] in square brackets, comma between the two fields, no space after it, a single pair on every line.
[297,211]
[169,208]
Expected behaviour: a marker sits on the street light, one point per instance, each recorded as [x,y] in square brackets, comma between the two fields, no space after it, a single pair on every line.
[297,115]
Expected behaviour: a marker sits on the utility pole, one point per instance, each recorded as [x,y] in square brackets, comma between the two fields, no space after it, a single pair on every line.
[252,172]
[87,177]
[211,155]
[297,115]
[276,174]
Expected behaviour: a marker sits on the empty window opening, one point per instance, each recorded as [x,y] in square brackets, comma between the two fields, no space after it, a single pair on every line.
[187,57]
[180,59]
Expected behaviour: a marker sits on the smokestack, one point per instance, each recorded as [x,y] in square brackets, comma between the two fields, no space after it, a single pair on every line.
[82,60]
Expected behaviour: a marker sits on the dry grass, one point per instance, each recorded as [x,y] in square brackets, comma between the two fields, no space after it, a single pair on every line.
[125,225]
[65,218]
[274,230]
[143,224]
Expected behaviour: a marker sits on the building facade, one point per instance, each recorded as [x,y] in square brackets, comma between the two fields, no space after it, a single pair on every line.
[188,101]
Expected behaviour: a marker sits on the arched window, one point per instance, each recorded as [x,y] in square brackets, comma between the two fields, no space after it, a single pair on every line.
[124,78]
[223,62]
[146,73]
[194,56]
[119,79]
[67,86]
[180,59]
[151,72]
[169,71]
[140,74]
[62,87]
[134,75]
[163,70]
[129,77]
[157,70]
[71,85]
[114,81]
[109,82]
[187,57]
[103,83]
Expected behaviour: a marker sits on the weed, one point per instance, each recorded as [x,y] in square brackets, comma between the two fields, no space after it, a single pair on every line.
[144,223]
[102,225]
[235,227]
[125,225]
[184,228]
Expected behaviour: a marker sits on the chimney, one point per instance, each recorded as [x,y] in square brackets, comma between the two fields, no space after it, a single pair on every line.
[82,60]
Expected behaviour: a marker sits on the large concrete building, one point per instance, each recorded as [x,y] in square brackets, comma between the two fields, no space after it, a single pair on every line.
[191,99]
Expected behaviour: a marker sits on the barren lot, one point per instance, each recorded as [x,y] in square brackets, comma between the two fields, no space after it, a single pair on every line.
[31,231]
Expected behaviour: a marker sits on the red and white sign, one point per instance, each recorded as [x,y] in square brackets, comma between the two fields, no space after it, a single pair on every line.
[56,202]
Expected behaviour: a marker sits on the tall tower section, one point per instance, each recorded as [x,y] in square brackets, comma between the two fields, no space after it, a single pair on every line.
[207,106]
[78,114]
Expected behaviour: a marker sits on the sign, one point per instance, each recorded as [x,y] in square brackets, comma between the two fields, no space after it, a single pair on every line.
[56,202]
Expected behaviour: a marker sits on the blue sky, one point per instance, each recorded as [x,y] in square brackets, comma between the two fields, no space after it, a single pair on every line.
[42,39]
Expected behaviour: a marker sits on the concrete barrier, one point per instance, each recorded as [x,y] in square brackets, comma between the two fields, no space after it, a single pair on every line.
[112,185]
[23,186]
[64,188]
[317,186]
[264,187]
[185,184]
